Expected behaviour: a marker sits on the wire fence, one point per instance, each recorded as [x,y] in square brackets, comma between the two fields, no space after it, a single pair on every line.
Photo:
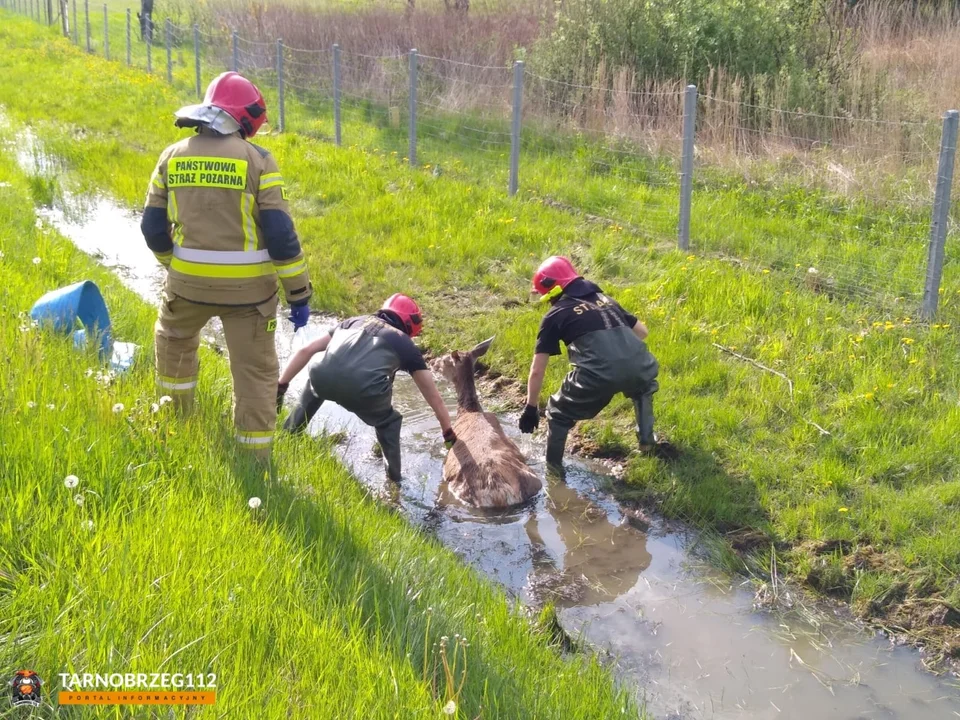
[855,208]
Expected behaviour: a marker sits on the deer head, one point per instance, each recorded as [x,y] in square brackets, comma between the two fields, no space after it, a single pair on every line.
[458,367]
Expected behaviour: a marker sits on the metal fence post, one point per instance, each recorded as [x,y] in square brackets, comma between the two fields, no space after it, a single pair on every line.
[236,53]
[148,27]
[167,32]
[280,89]
[76,27]
[196,57]
[686,166]
[412,150]
[941,215]
[129,44]
[106,33]
[515,127]
[336,94]
[86,14]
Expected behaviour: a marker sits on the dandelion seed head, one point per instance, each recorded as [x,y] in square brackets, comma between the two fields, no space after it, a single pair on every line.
[36,261]
[78,499]
[154,408]
[450,708]
[31,405]
[71,481]
[254,503]
[118,408]
[165,399]
[51,406]
[89,525]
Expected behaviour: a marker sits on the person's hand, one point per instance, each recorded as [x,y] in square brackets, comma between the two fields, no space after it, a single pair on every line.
[449,438]
[530,419]
[299,315]
[281,392]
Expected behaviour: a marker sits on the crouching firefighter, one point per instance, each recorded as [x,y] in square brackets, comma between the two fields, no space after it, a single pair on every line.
[216,216]
[606,347]
[363,355]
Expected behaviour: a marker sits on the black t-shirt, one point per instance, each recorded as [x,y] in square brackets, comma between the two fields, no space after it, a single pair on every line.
[581,309]
[411,359]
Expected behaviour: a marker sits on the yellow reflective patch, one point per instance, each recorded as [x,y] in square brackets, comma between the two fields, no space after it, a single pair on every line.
[207,172]
[210,270]
[270,180]
[283,192]
[271,324]
[294,268]
[249,226]
[173,213]
[158,181]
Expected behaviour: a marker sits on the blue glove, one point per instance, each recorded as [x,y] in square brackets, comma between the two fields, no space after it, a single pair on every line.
[299,315]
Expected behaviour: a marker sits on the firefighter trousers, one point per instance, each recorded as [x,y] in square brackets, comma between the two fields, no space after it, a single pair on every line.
[249,333]
[377,411]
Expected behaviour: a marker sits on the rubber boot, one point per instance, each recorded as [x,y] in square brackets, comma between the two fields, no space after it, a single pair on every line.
[390,447]
[304,411]
[643,409]
[556,442]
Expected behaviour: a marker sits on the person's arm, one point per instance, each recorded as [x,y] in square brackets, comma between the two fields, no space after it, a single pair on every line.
[428,388]
[279,235]
[640,330]
[302,357]
[154,224]
[538,369]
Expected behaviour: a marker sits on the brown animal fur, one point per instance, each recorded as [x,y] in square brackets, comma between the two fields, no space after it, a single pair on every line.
[484,468]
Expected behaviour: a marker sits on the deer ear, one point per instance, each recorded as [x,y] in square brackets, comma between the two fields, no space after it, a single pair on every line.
[481,349]
[455,355]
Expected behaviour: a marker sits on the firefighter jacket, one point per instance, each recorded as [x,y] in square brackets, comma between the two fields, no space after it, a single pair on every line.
[216,215]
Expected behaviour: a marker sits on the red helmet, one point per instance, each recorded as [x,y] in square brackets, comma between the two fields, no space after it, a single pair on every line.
[408,312]
[240,99]
[554,272]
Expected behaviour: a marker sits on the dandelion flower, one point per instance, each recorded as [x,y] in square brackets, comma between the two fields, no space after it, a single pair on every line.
[450,708]
[766,272]
[843,510]
[913,361]
[118,408]
[165,399]
[254,503]
[78,499]
[36,261]
[868,395]
[71,481]
[908,341]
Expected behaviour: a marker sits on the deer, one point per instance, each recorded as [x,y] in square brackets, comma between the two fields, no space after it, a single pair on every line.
[484,468]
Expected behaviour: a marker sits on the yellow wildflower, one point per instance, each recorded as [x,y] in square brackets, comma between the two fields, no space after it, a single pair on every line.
[843,510]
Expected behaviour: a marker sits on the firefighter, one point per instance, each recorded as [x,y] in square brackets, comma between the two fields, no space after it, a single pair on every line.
[363,355]
[217,217]
[606,347]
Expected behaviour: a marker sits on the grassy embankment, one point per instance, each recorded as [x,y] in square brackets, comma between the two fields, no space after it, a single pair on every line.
[317,604]
[852,472]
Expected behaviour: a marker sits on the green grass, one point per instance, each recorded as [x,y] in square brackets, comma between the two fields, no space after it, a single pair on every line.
[883,386]
[164,567]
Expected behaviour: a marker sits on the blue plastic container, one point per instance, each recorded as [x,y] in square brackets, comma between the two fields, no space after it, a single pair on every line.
[62,309]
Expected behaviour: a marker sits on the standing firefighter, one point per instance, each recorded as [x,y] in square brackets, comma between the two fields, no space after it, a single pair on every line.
[606,347]
[363,355]
[216,215]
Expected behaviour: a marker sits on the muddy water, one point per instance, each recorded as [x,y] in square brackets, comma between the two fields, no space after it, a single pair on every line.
[687,638]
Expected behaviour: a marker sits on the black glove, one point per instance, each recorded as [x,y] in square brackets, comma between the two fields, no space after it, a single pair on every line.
[530,419]
[449,438]
[281,391]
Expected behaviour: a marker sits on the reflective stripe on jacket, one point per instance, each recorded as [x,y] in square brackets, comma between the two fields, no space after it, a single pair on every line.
[225,230]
